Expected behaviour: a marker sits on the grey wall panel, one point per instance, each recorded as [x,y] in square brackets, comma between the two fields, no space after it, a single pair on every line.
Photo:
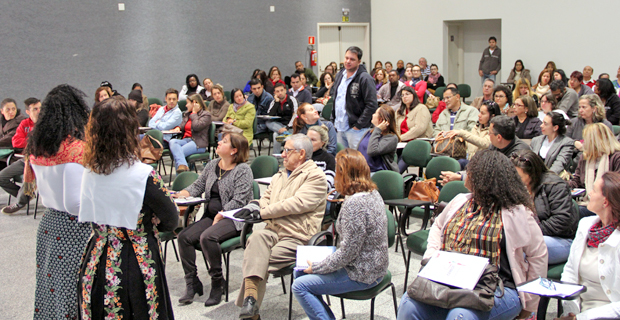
[44,43]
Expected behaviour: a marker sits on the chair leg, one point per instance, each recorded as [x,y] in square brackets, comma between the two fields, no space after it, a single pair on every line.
[372,308]
[9,202]
[28,207]
[226,262]
[560,308]
[283,286]
[290,299]
[176,254]
[541,313]
[170,177]
[394,299]
[165,251]
[269,150]
[36,206]
[344,316]
[329,303]
[407,271]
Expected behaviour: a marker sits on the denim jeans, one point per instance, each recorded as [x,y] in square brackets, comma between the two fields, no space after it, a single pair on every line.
[506,307]
[558,249]
[183,148]
[275,126]
[308,289]
[488,76]
[351,138]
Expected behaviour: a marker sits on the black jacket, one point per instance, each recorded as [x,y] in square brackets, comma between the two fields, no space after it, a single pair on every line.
[612,109]
[554,207]
[532,127]
[514,145]
[285,110]
[361,99]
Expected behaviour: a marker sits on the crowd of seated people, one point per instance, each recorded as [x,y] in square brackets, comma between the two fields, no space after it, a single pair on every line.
[513,125]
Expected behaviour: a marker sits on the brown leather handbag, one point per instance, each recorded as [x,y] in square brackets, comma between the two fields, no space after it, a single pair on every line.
[424,190]
[454,147]
[447,297]
[148,153]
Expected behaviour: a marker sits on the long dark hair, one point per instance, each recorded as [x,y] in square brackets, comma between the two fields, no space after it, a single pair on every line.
[111,136]
[414,103]
[605,88]
[493,180]
[531,164]
[514,68]
[64,113]
[386,113]
[192,89]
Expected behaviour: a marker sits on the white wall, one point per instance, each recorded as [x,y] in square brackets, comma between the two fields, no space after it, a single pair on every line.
[572,33]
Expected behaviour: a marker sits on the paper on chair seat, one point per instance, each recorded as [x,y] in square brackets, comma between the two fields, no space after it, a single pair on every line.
[454,269]
[312,253]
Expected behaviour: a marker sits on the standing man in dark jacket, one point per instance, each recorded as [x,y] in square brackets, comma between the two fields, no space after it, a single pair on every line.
[355,100]
[491,61]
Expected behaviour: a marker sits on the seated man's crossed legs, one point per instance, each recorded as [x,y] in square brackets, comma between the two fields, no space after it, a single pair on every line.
[265,252]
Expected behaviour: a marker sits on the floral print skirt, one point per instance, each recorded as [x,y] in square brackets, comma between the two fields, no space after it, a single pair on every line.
[61,241]
[122,276]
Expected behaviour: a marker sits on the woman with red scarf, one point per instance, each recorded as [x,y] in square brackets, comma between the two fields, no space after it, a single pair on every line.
[593,261]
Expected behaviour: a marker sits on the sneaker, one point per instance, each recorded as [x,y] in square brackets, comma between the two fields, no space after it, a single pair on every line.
[12,208]
[283,136]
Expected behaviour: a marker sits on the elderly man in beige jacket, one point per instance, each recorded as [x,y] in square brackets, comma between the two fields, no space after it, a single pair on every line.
[292,206]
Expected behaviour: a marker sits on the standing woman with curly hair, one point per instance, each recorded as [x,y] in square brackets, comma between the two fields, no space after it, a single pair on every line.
[495,221]
[54,166]
[122,260]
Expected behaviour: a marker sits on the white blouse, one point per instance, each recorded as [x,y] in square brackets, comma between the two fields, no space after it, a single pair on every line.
[59,186]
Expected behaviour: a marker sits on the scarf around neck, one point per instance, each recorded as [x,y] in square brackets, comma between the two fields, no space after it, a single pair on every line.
[433,79]
[236,106]
[599,234]
[71,150]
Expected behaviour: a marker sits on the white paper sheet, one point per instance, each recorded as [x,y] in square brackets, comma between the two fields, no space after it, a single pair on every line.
[229,214]
[454,269]
[312,253]
[561,289]
[183,201]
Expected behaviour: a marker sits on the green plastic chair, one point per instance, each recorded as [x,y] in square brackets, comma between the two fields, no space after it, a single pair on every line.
[182,105]
[371,294]
[417,153]
[389,184]
[155,101]
[264,166]
[204,156]
[438,164]
[439,92]
[255,190]
[182,181]
[227,95]
[326,113]
[262,136]
[464,91]
[616,130]
[339,147]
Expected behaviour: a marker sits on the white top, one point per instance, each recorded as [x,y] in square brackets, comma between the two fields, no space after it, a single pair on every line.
[588,276]
[544,149]
[608,270]
[59,186]
[115,199]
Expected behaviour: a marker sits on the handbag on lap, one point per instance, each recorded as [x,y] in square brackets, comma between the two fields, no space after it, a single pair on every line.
[454,147]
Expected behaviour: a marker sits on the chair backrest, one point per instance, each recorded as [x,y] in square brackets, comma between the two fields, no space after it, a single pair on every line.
[451,190]
[182,105]
[439,164]
[616,130]
[464,90]
[227,95]
[417,153]
[255,190]
[155,101]
[157,135]
[389,184]
[439,92]
[326,113]
[212,137]
[184,180]
[391,228]
[264,166]
[339,147]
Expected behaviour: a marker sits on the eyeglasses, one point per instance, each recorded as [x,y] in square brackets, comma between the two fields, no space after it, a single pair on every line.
[288,151]
[447,98]
[518,105]
[500,96]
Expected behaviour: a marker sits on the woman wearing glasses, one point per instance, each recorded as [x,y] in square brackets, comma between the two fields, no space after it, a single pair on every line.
[526,118]
[503,97]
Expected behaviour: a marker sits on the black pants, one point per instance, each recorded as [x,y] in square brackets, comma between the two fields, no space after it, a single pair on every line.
[7,178]
[202,235]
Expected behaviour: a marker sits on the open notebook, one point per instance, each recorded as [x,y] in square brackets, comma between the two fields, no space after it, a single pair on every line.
[312,253]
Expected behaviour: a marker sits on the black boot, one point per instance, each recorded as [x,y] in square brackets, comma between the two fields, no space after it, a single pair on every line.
[217,290]
[193,286]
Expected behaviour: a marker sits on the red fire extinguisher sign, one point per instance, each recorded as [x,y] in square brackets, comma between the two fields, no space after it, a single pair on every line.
[310,40]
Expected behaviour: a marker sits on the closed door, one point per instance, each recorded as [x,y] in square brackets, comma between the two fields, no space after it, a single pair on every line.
[334,39]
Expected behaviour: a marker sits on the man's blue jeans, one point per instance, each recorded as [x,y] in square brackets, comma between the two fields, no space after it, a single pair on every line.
[505,308]
[351,138]
[183,148]
[488,76]
[308,289]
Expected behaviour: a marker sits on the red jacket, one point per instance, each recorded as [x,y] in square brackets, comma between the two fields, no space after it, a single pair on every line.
[20,139]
